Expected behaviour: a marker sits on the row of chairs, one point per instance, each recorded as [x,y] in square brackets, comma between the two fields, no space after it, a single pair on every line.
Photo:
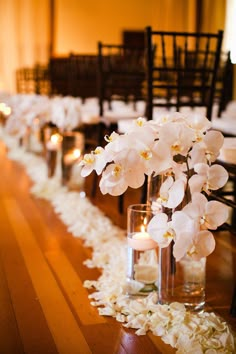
[174,69]
[181,64]
[74,75]
[184,68]
[33,80]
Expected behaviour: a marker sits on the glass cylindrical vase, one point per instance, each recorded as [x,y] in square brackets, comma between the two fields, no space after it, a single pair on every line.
[142,269]
[52,145]
[182,281]
[72,152]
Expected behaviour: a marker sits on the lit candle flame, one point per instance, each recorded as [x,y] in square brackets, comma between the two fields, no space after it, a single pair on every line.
[56,138]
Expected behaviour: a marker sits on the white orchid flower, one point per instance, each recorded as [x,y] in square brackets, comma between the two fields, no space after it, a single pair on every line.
[171,192]
[209,215]
[199,123]
[208,178]
[189,239]
[143,126]
[178,136]
[130,149]
[116,179]
[160,230]
[167,117]
[15,127]
[66,112]
[162,159]
[208,149]
[93,161]
[111,138]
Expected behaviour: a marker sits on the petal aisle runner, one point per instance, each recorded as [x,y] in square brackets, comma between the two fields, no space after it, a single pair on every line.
[187,332]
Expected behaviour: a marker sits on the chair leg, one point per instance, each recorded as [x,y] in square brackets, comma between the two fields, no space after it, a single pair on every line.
[121,203]
[94,185]
[144,191]
[233,305]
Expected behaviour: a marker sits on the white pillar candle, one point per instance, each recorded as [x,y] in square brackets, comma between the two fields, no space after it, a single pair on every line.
[141,241]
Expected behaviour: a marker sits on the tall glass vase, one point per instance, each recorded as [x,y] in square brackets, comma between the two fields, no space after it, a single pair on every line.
[52,145]
[72,152]
[182,281]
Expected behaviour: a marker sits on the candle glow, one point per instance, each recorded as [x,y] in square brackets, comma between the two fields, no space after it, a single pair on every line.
[55,142]
[72,156]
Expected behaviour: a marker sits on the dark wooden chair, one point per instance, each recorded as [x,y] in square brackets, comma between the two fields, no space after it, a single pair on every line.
[227,195]
[183,71]
[83,75]
[121,73]
[59,74]
[224,82]
[33,79]
[233,304]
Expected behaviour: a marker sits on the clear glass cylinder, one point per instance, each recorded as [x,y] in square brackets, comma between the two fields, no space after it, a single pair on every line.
[142,269]
[72,153]
[182,281]
[52,145]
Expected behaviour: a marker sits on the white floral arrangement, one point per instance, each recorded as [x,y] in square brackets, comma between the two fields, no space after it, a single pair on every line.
[26,109]
[183,149]
[185,331]
[66,112]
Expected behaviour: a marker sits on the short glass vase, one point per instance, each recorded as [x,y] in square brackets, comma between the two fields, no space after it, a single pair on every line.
[142,267]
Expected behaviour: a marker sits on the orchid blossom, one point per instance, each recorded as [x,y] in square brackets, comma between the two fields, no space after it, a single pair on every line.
[189,238]
[159,228]
[207,150]
[208,214]
[182,149]
[208,178]
[94,161]
[178,136]
[171,193]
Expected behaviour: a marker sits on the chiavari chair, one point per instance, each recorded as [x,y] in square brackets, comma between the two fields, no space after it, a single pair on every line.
[183,71]
[120,73]
[83,75]
[224,82]
[59,76]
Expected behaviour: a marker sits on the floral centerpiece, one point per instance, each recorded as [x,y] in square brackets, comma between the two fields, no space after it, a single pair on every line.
[182,149]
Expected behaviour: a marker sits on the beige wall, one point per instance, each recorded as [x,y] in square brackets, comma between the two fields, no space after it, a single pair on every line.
[213,17]
[80,24]
[24,37]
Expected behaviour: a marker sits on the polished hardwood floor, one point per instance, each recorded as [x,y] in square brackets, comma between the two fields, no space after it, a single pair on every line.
[44,307]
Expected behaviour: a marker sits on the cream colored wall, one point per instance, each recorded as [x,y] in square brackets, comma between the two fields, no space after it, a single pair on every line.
[24,37]
[213,17]
[80,24]
[171,15]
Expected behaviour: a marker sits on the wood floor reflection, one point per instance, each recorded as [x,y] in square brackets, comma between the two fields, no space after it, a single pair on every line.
[44,307]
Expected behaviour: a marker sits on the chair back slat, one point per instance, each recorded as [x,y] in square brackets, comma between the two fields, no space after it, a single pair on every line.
[184,70]
[120,73]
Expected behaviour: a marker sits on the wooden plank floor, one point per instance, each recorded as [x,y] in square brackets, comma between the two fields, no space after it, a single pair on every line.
[44,307]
